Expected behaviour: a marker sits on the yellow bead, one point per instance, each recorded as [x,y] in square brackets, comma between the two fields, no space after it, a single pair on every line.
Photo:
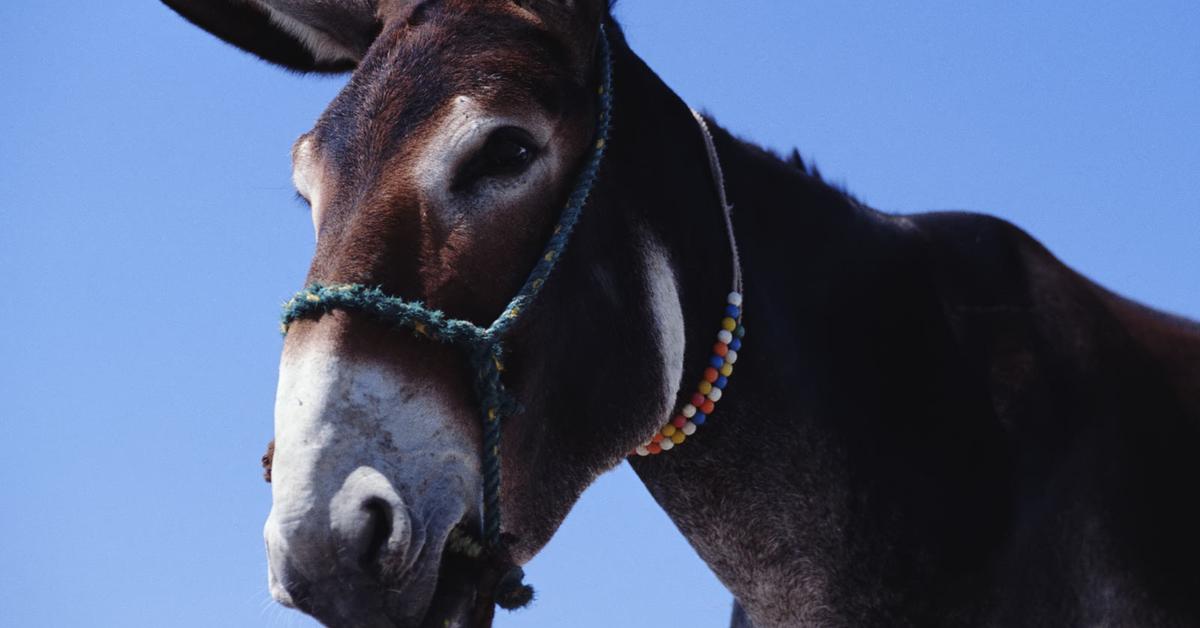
[678,437]
[705,388]
[668,430]
[727,370]
[728,324]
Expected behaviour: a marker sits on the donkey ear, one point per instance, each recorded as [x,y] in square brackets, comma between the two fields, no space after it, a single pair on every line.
[303,35]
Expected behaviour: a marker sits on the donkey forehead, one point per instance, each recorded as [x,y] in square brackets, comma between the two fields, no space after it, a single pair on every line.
[500,58]
[380,161]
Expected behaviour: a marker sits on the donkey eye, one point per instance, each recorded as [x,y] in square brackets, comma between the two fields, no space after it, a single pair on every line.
[508,152]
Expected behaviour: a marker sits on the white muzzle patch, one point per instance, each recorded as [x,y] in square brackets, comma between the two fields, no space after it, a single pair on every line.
[367,461]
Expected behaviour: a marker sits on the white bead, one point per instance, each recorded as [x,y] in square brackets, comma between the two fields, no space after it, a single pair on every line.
[666,444]
[688,428]
[735,298]
[715,395]
[642,451]
[688,411]
[731,357]
[724,336]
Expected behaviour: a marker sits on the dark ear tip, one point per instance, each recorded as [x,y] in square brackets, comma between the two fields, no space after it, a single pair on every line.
[250,27]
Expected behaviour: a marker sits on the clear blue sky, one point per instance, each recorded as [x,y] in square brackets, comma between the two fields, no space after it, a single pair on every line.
[148,234]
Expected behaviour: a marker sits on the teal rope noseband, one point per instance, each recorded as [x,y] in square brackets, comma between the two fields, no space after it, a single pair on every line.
[484,347]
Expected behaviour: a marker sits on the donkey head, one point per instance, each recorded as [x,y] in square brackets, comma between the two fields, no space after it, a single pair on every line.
[437,174]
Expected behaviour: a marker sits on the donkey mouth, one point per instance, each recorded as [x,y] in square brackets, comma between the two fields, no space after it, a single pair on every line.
[454,602]
[468,577]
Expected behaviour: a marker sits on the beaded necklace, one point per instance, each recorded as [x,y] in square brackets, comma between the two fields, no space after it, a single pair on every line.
[716,375]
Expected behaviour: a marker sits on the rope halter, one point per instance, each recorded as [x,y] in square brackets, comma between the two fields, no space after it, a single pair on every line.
[484,347]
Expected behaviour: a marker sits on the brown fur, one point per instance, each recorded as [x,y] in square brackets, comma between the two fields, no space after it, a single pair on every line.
[267,459]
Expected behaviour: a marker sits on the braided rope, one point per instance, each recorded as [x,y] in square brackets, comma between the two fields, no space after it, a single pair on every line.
[484,347]
[718,176]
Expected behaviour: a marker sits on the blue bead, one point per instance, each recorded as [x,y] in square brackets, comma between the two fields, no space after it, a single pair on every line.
[736,345]
[699,418]
[721,381]
[716,361]
[732,311]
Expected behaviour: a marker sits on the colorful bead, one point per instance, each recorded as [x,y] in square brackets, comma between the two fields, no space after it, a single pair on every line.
[709,390]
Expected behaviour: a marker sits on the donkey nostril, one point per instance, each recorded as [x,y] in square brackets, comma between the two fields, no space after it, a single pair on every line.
[378,531]
[370,524]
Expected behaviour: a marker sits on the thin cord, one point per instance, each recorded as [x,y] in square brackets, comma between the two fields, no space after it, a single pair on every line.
[718,175]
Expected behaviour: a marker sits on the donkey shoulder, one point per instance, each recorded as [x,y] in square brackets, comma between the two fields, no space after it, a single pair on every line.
[987,269]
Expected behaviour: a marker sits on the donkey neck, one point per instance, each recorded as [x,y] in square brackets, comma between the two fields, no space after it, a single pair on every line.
[770,534]
[817,492]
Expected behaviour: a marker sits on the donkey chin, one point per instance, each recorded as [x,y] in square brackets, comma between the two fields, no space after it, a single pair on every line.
[357,534]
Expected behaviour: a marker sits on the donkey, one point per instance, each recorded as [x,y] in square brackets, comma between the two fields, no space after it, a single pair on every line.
[934,422]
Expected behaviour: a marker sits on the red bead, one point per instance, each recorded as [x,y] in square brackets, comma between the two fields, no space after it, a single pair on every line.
[710,375]
[721,349]
[679,421]
[656,437]
[707,407]
[654,448]
[697,400]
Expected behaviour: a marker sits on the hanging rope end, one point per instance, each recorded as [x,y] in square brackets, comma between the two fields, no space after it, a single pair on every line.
[512,592]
